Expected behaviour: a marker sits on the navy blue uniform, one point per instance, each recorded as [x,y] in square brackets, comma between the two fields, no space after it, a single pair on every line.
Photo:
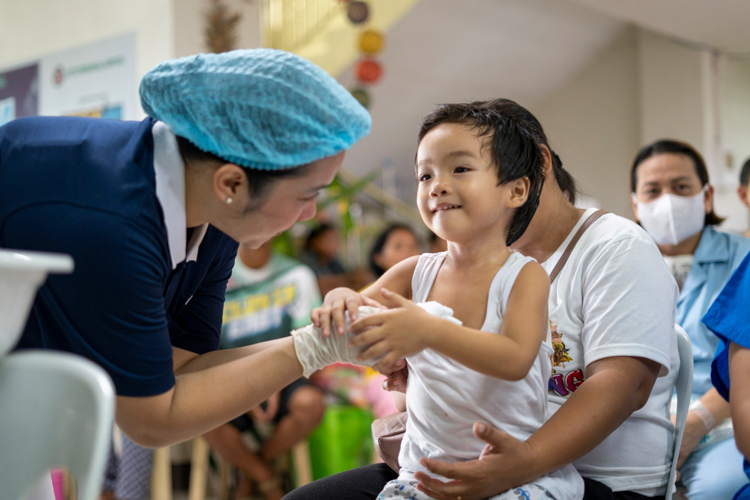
[85,187]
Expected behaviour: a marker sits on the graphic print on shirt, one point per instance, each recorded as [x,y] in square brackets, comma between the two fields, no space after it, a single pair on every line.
[252,315]
[562,383]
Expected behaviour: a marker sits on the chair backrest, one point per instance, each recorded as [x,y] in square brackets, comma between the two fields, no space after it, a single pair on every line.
[56,410]
[21,274]
[683,388]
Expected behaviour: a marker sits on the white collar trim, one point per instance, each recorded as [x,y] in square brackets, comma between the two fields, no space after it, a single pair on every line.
[169,170]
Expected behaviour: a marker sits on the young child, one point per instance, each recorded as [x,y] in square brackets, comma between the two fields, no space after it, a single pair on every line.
[479,174]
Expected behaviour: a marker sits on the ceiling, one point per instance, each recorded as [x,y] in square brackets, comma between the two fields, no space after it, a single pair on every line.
[449,51]
[722,24]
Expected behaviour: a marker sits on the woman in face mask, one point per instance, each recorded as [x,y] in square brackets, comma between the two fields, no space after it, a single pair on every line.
[673,201]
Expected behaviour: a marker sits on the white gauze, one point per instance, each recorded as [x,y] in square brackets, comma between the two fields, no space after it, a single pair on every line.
[315,351]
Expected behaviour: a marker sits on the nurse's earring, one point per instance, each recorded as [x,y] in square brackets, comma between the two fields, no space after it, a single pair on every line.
[229,201]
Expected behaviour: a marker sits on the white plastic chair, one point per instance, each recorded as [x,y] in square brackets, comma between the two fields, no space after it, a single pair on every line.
[56,410]
[683,387]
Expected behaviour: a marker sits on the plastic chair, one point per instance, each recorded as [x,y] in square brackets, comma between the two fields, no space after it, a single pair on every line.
[56,410]
[683,387]
[21,275]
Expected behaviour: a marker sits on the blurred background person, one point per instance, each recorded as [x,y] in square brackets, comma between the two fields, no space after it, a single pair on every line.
[321,253]
[744,188]
[396,243]
[673,201]
[268,295]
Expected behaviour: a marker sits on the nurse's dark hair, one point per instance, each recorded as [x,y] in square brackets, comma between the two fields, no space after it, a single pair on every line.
[258,180]
[670,146]
[380,242]
[745,173]
[514,137]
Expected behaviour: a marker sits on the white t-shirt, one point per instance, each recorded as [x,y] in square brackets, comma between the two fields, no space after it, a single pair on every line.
[444,398]
[616,297]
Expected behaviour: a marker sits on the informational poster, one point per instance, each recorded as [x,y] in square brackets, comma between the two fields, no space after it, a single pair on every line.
[96,80]
[19,92]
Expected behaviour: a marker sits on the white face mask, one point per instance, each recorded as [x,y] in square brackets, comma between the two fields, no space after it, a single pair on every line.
[671,219]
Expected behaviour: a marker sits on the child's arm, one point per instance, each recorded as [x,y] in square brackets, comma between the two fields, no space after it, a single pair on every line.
[339,300]
[409,329]
[739,395]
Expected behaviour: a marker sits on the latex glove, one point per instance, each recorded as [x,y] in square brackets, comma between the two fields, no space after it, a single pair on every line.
[315,351]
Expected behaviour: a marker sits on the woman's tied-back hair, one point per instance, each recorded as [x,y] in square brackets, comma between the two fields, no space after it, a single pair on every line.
[514,137]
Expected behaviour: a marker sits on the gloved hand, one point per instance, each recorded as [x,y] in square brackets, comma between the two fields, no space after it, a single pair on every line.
[314,351]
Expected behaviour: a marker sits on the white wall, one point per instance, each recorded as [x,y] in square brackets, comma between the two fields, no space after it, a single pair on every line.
[592,122]
[734,109]
[30,29]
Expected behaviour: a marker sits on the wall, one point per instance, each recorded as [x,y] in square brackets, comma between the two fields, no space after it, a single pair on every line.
[32,28]
[592,122]
[734,110]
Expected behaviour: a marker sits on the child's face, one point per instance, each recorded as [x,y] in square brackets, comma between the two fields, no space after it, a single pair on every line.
[458,194]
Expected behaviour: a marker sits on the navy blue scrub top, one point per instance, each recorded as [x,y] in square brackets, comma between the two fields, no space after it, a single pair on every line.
[86,187]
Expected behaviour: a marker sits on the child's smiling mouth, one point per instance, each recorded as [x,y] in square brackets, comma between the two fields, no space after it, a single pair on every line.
[443,207]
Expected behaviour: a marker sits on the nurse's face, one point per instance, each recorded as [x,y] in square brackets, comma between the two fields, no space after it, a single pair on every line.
[282,204]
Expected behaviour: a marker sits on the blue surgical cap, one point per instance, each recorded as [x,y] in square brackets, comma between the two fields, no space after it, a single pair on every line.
[261,108]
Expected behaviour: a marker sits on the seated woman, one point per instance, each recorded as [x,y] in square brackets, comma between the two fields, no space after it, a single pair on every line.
[612,307]
[673,201]
[729,319]
[268,295]
[394,244]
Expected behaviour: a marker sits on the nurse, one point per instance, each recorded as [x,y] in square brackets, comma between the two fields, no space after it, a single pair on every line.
[235,149]
[673,201]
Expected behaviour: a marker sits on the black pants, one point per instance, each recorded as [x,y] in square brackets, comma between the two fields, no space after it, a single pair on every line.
[364,483]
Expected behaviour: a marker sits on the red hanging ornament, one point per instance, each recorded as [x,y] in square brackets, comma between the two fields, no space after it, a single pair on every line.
[368,71]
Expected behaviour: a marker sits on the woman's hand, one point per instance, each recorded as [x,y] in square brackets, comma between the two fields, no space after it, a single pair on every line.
[397,376]
[695,430]
[336,302]
[393,334]
[480,478]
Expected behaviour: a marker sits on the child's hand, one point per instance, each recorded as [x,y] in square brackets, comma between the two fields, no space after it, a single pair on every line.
[394,334]
[335,303]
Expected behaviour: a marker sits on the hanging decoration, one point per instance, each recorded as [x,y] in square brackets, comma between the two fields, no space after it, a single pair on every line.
[358,12]
[368,70]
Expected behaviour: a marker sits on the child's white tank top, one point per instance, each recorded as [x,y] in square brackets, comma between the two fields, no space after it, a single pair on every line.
[445,398]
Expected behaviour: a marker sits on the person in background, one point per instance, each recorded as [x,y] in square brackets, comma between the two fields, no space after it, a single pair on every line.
[396,243]
[128,477]
[673,201]
[436,243]
[728,318]
[321,253]
[744,188]
[268,295]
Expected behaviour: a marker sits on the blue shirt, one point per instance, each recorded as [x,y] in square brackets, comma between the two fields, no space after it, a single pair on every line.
[729,319]
[717,256]
[86,187]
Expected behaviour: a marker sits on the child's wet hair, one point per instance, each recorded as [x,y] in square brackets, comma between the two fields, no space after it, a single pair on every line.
[515,137]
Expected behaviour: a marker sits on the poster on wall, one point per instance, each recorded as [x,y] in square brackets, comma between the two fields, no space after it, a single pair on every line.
[19,93]
[95,80]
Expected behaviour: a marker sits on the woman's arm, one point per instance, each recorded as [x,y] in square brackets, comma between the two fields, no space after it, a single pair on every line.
[739,395]
[597,411]
[204,399]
